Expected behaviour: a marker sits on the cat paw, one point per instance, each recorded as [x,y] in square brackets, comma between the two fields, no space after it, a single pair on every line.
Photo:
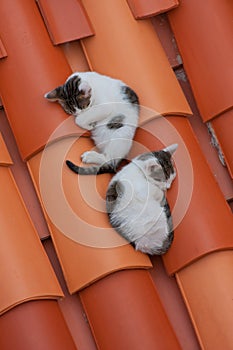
[92,157]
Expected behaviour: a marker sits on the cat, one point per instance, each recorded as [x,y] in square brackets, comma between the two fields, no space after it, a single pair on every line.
[136,204]
[108,108]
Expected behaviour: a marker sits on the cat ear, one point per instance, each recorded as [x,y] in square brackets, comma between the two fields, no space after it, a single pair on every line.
[171,149]
[85,89]
[54,95]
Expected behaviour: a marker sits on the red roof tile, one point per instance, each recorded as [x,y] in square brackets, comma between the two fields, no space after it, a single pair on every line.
[208,26]
[25,269]
[143,9]
[207,287]
[132,52]
[35,325]
[74,232]
[65,20]
[223,129]
[129,50]
[211,38]
[115,298]
[3,52]
[5,158]
[44,68]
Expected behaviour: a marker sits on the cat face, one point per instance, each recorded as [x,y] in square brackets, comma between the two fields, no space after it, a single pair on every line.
[158,166]
[73,96]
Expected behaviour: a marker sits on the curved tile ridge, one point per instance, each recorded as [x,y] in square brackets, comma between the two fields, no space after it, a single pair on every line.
[25,270]
[132,316]
[207,288]
[210,36]
[122,47]
[35,325]
[65,20]
[33,66]
[205,43]
[87,247]
[143,9]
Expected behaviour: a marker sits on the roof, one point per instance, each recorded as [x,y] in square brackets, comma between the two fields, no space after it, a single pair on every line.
[62,288]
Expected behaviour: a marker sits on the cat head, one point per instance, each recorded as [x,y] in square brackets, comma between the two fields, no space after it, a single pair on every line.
[73,96]
[158,166]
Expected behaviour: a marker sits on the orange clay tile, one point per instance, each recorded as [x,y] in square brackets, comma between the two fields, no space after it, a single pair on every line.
[35,325]
[65,20]
[132,52]
[22,178]
[223,129]
[219,171]
[194,194]
[71,306]
[3,52]
[25,271]
[201,229]
[207,288]
[190,189]
[143,9]
[211,38]
[5,158]
[33,67]
[132,316]
[204,31]
[75,208]
[75,56]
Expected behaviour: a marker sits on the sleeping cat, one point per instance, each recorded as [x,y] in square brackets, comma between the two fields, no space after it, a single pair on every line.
[107,107]
[136,202]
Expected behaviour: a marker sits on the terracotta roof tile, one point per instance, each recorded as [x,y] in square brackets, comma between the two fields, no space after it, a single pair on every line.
[223,129]
[5,158]
[211,38]
[208,284]
[129,50]
[74,232]
[25,269]
[44,68]
[65,20]
[200,129]
[3,52]
[35,325]
[132,55]
[209,63]
[143,9]
[137,298]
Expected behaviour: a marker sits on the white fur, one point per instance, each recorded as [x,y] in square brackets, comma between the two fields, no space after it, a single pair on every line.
[106,103]
[138,211]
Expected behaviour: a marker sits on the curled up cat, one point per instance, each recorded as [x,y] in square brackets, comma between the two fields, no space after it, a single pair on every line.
[109,109]
[136,201]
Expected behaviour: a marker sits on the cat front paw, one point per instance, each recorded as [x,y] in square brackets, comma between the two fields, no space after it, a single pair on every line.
[84,124]
[92,157]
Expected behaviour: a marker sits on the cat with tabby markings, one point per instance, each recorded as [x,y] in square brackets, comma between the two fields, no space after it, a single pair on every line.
[136,201]
[108,108]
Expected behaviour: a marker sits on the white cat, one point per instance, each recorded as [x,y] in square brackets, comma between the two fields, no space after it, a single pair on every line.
[136,202]
[107,107]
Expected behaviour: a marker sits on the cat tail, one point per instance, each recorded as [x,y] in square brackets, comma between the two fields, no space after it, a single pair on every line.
[91,170]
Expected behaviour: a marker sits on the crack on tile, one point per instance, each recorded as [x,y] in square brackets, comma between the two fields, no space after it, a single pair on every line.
[215,143]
